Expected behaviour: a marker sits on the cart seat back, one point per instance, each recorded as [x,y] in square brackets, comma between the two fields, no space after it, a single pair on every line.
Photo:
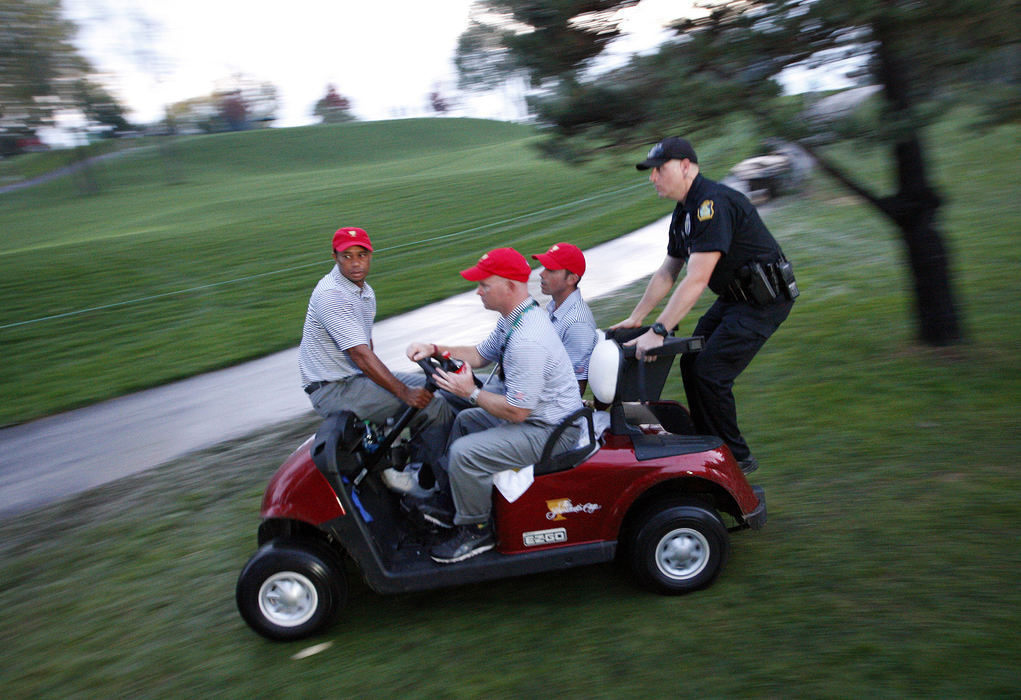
[588,444]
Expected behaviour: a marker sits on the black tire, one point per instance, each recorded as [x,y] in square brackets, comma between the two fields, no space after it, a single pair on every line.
[678,549]
[290,590]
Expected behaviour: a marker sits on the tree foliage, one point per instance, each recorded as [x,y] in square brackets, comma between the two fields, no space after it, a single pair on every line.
[42,73]
[333,108]
[37,59]
[483,61]
[238,103]
[546,39]
[101,108]
[728,58]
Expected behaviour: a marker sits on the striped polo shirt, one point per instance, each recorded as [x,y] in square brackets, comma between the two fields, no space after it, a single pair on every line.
[339,317]
[576,327]
[536,367]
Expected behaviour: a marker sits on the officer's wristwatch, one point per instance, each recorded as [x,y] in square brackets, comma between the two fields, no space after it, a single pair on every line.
[473,399]
[659,329]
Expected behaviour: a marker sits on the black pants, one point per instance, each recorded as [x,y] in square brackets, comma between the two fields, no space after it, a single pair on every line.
[733,332]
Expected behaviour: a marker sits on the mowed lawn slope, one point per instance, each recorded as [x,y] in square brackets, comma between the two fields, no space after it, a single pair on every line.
[202,253]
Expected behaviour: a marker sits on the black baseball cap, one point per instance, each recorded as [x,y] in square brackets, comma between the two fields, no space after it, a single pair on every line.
[673,148]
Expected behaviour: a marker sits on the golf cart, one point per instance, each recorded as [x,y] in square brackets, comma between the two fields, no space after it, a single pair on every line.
[646,489]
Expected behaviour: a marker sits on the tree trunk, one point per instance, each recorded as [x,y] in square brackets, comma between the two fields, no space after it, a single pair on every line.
[914,209]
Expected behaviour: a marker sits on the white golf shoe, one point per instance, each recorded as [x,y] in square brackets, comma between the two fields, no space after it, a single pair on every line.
[406,481]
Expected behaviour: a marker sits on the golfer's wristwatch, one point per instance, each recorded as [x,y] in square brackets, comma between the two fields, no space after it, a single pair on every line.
[474,397]
[659,329]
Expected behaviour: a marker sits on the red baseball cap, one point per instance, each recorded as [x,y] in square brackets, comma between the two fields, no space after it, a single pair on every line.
[563,256]
[502,262]
[348,236]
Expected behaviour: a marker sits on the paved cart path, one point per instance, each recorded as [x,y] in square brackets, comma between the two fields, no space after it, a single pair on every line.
[55,457]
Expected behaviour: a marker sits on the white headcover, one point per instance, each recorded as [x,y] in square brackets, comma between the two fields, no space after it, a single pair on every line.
[603,370]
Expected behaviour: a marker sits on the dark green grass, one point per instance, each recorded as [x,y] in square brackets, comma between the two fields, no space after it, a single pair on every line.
[888,567]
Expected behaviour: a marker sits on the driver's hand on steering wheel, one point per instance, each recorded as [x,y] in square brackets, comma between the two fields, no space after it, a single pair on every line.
[420,351]
[460,383]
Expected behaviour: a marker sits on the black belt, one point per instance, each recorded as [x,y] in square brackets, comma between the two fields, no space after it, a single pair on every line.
[315,386]
[741,288]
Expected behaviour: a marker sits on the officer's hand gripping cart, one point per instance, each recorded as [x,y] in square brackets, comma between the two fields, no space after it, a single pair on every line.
[647,490]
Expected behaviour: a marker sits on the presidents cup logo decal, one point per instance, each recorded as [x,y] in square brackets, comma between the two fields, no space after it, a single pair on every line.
[562,506]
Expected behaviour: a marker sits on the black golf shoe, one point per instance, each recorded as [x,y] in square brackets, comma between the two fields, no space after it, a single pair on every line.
[468,541]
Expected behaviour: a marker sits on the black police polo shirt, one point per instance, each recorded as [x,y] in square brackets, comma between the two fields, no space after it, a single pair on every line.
[714,217]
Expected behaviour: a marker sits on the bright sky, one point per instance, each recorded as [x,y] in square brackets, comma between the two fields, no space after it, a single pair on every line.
[386,56]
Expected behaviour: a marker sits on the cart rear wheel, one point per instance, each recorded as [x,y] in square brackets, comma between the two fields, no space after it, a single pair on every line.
[679,549]
[290,590]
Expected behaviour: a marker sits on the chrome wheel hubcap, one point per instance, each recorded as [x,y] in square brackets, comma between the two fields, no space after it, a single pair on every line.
[288,599]
[682,553]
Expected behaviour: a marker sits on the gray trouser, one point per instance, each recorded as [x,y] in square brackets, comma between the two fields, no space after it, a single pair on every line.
[482,445]
[369,401]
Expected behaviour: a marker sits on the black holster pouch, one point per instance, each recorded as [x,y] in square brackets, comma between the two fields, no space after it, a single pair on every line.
[752,284]
[758,285]
[763,283]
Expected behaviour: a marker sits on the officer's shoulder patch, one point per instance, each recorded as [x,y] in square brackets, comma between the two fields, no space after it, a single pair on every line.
[705,210]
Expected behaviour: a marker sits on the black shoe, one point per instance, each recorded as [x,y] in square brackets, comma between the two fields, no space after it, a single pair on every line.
[467,541]
[437,510]
[748,465]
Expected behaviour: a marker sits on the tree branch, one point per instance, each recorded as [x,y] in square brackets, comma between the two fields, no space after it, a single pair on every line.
[840,176]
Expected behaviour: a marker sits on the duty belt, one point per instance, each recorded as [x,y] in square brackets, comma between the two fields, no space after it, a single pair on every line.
[762,284]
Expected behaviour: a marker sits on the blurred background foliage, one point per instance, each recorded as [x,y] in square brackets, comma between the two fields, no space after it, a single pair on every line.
[728,58]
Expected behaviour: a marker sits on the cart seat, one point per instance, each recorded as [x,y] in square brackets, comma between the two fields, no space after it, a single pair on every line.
[588,443]
[511,483]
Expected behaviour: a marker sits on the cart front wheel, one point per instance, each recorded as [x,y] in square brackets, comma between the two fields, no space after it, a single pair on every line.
[290,590]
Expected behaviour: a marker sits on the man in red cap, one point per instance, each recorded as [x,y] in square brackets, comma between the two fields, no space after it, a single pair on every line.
[564,265]
[503,430]
[339,370]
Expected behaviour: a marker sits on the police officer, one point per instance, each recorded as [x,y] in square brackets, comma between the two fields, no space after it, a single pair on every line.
[718,234]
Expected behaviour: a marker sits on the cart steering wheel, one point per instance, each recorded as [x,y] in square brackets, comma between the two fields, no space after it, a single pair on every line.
[429,365]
